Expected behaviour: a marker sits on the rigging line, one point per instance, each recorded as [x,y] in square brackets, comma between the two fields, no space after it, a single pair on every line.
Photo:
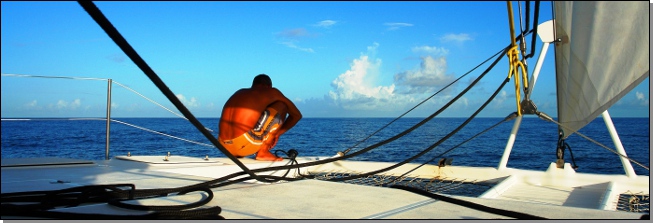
[333,159]
[535,23]
[521,29]
[448,135]
[154,102]
[548,118]
[56,77]
[505,50]
[113,33]
[508,118]
[424,101]
[160,133]
[514,61]
[520,36]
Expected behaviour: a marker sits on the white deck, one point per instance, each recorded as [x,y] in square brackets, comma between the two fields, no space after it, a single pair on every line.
[526,192]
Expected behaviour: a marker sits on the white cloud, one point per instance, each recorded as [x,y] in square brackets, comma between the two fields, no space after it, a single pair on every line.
[641,98]
[356,92]
[31,104]
[292,45]
[353,89]
[61,104]
[188,103]
[430,77]
[456,38]
[499,100]
[396,25]
[431,50]
[326,23]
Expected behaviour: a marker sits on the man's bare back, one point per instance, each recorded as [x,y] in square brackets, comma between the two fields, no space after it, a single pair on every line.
[242,111]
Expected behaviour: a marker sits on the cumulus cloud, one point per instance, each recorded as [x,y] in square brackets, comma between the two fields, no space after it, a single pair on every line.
[326,23]
[431,50]
[430,76]
[456,38]
[61,104]
[641,98]
[191,103]
[354,88]
[357,92]
[396,25]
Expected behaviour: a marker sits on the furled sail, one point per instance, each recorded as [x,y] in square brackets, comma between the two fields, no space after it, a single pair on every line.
[603,53]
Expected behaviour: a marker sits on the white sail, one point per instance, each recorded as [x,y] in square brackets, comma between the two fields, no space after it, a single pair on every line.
[603,53]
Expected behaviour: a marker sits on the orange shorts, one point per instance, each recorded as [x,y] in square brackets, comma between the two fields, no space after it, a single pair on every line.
[251,141]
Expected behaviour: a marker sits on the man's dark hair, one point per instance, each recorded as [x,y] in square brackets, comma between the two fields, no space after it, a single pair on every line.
[262,79]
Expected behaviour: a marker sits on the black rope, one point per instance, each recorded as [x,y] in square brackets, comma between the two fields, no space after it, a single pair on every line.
[560,150]
[43,203]
[508,118]
[468,204]
[535,23]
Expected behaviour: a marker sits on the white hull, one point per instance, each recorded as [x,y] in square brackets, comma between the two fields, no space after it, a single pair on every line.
[553,194]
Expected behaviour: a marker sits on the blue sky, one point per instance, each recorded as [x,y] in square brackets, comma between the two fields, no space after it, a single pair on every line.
[333,59]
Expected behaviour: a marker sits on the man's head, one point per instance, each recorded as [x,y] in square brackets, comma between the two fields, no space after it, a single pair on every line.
[262,79]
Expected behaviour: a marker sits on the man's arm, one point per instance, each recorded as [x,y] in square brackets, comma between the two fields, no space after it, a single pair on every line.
[294,115]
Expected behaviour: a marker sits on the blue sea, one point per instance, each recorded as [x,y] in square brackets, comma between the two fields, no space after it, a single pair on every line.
[535,147]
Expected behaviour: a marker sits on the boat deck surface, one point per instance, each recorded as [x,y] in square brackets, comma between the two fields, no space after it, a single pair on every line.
[302,199]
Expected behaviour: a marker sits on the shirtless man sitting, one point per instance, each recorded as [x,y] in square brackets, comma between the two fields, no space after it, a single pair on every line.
[253,119]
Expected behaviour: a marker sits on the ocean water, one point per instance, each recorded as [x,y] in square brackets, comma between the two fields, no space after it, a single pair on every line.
[534,148]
